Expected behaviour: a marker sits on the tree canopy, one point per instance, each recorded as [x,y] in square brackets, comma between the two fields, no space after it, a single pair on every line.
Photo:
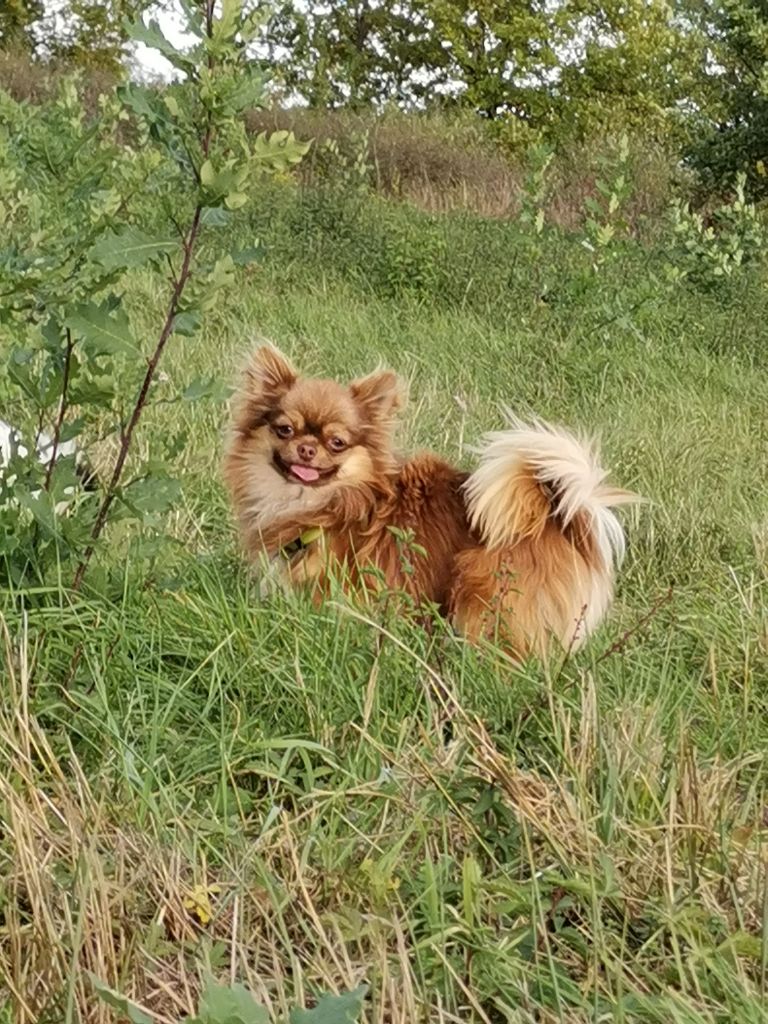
[689,72]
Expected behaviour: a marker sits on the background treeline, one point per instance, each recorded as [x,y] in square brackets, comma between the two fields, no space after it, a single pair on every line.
[481,83]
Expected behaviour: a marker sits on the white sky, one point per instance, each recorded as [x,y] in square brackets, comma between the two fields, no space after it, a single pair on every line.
[149,62]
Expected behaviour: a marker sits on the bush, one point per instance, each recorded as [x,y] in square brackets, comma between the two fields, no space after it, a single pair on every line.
[711,250]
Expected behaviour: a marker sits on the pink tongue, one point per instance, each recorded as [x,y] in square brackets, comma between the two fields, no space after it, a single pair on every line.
[305,473]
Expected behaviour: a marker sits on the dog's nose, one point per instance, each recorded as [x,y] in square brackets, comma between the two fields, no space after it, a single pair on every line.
[307,452]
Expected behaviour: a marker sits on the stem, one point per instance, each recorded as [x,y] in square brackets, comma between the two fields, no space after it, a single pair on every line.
[126,434]
[141,399]
[618,646]
[62,410]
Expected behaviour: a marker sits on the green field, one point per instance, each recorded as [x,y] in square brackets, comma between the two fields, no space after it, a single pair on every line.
[362,801]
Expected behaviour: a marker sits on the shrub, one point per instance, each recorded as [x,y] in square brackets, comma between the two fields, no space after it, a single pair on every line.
[81,208]
[710,250]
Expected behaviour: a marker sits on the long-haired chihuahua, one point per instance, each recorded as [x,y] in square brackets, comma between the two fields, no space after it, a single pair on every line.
[522,550]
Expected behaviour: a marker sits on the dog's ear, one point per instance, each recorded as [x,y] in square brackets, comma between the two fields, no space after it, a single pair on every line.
[266,377]
[380,395]
[268,373]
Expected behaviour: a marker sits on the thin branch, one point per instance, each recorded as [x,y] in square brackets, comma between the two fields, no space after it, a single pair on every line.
[141,400]
[618,645]
[127,431]
[63,405]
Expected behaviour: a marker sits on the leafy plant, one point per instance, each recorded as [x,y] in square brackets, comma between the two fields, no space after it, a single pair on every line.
[85,203]
[344,163]
[234,1004]
[709,251]
[605,222]
[733,137]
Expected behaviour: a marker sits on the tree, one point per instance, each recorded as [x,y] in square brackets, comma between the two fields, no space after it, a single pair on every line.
[92,32]
[557,67]
[355,54]
[16,20]
[735,106]
[81,33]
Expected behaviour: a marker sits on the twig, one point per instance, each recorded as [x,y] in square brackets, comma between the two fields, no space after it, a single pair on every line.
[573,640]
[141,400]
[618,645]
[62,411]
[126,433]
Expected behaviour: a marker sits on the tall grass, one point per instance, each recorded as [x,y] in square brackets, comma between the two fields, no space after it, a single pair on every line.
[199,781]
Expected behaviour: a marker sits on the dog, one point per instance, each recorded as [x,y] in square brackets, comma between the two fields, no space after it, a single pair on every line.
[521,551]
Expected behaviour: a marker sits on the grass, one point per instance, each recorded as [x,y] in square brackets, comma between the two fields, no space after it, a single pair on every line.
[196,781]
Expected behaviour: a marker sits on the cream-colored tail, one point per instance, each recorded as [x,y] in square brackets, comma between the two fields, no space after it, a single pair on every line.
[548,541]
[533,474]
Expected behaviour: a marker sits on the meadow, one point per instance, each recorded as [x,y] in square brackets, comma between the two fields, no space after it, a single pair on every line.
[199,782]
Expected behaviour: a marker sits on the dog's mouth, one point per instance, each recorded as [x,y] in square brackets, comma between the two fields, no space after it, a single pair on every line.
[301,473]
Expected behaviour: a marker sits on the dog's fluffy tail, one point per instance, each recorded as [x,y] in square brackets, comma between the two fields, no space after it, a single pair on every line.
[532,475]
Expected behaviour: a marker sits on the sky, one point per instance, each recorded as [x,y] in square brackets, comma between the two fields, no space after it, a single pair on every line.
[152,64]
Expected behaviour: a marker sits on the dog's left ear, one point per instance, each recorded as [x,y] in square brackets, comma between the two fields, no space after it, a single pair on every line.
[380,394]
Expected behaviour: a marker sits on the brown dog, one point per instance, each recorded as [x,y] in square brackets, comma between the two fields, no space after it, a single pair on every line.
[521,551]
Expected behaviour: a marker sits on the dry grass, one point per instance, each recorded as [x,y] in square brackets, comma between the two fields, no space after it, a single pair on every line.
[97,879]
[38,81]
[442,164]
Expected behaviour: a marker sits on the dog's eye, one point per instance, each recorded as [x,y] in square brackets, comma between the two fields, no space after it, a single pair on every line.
[284,430]
[337,444]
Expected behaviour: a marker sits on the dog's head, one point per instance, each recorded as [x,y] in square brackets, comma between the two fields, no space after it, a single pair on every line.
[317,432]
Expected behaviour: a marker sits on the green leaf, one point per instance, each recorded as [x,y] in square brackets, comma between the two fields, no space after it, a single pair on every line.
[224,1004]
[249,89]
[222,273]
[152,36]
[172,105]
[279,150]
[41,507]
[206,387]
[214,216]
[118,1002]
[72,429]
[207,174]
[151,494]
[138,99]
[102,333]
[225,27]
[235,200]
[187,323]
[194,17]
[218,184]
[343,1009]
[252,254]
[130,248]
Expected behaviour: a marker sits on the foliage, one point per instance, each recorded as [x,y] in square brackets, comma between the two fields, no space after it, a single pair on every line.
[83,203]
[88,34]
[343,164]
[234,1004]
[16,20]
[605,221]
[463,261]
[361,797]
[711,250]
[734,135]
[565,70]
[200,784]
[345,53]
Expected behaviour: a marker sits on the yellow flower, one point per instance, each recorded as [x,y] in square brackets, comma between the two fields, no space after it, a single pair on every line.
[199,904]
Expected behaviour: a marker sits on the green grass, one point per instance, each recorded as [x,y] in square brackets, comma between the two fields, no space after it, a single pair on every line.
[574,844]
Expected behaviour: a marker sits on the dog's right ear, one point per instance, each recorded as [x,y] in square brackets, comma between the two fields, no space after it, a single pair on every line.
[268,374]
[266,377]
